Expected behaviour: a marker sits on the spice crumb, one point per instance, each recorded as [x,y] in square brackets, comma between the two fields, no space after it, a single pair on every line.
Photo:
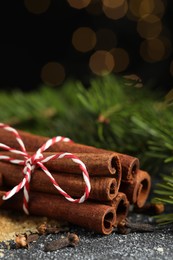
[14,223]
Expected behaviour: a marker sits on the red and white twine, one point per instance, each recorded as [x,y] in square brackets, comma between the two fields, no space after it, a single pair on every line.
[30,163]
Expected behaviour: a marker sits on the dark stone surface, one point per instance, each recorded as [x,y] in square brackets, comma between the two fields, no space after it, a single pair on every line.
[151,245]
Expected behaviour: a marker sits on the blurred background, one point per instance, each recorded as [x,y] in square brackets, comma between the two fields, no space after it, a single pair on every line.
[50,41]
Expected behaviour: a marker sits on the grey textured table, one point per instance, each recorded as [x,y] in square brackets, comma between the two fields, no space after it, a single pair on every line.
[156,245]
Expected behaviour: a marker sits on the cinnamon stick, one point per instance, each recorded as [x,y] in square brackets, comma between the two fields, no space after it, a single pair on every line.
[121,205]
[130,165]
[97,164]
[93,216]
[137,191]
[102,188]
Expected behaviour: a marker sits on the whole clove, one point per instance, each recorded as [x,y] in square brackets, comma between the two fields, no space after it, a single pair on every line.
[126,226]
[71,240]
[21,240]
[45,229]
[32,238]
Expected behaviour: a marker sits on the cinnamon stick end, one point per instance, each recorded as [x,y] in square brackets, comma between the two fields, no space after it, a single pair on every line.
[143,182]
[108,221]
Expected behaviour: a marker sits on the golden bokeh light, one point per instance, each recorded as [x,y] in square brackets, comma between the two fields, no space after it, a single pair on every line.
[146,7]
[149,26]
[115,9]
[121,59]
[101,63]
[139,9]
[37,6]
[152,50]
[113,3]
[84,39]
[79,4]
[53,73]
[159,8]
[106,39]
[171,68]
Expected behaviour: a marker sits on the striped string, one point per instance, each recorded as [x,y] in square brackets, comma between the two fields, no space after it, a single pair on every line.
[30,163]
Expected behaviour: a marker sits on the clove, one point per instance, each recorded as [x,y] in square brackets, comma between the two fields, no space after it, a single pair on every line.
[21,240]
[32,238]
[126,226]
[45,229]
[24,240]
[71,240]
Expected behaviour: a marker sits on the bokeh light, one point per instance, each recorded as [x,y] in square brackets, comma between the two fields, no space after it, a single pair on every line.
[106,39]
[159,8]
[113,3]
[101,63]
[115,9]
[139,9]
[37,6]
[149,26]
[79,4]
[53,73]
[121,59]
[84,39]
[152,50]
[146,7]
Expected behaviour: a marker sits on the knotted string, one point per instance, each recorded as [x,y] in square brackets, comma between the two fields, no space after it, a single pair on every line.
[30,163]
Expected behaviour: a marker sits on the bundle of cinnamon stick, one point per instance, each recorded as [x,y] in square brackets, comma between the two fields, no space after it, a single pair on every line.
[116,182]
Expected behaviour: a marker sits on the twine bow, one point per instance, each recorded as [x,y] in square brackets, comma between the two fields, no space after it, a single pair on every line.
[30,163]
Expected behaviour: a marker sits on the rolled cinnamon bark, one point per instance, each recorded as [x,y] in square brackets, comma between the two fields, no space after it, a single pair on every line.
[121,205]
[102,188]
[130,165]
[106,164]
[97,164]
[138,191]
[93,216]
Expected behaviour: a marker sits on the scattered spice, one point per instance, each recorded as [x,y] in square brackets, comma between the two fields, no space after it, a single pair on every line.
[71,240]
[21,240]
[24,239]
[126,226]
[17,223]
[45,229]
[32,238]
